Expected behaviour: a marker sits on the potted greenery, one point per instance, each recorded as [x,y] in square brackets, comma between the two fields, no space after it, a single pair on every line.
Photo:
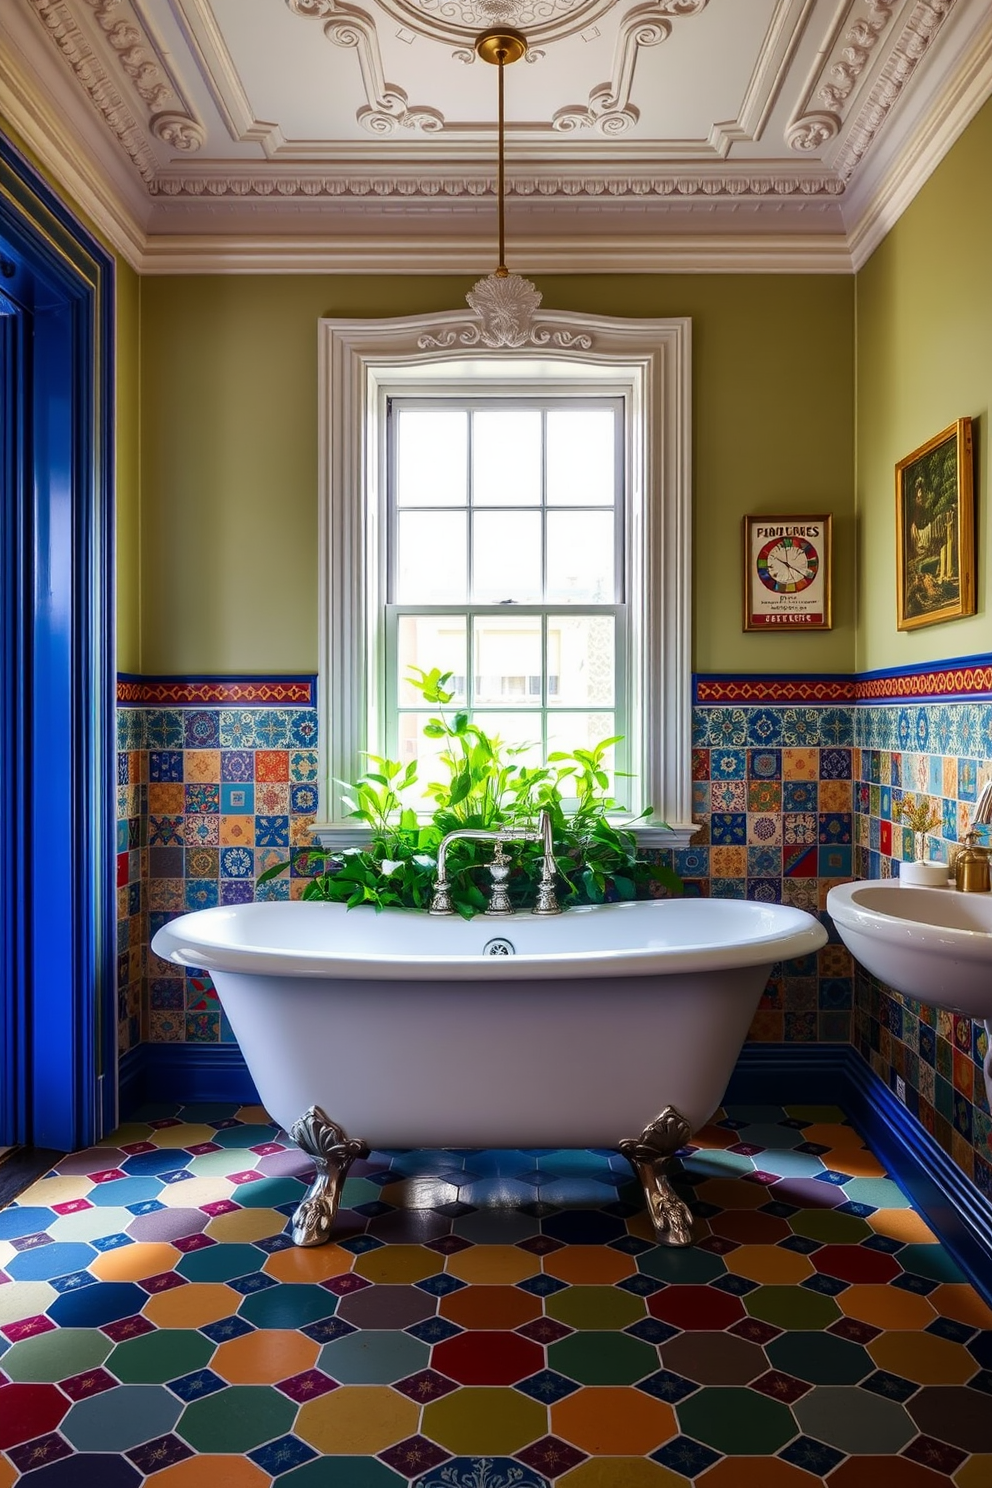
[487,787]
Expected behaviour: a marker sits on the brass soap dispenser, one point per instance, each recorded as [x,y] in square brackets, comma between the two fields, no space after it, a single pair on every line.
[971,867]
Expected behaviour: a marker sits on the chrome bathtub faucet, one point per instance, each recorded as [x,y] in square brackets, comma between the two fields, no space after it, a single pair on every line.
[546,901]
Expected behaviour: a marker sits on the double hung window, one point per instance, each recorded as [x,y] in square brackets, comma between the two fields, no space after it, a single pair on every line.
[505,567]
[521,520]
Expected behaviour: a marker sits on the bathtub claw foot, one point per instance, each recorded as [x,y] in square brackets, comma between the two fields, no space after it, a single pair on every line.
[333,1153]
[651,1156]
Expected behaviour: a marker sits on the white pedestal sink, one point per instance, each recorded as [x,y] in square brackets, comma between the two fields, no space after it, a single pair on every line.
[931,944]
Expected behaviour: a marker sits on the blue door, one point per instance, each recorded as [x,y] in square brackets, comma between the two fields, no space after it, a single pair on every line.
[57,783]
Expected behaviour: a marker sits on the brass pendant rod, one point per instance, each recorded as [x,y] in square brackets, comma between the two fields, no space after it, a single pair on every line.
[499,47]
[501,268]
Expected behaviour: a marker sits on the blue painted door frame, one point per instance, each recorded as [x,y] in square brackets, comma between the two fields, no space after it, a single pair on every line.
[57,742]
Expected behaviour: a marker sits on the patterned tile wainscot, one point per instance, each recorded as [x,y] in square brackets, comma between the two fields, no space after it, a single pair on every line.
[773,794]
[218,780]
[941,751]
[793,781]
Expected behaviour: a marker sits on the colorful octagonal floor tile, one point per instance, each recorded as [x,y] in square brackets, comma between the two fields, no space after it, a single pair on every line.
[484,1318]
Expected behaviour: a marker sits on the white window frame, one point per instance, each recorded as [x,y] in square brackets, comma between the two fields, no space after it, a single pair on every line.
[361,364]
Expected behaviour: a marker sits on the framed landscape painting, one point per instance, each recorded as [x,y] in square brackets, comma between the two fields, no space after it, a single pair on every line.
[935,530]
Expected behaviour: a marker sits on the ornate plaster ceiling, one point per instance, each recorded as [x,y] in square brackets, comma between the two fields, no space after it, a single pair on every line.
[317,134]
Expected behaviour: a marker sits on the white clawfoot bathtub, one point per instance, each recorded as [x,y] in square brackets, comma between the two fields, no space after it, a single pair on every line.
[410,1033]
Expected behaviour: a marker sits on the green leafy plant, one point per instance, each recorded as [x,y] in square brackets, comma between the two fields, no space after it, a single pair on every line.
[487,787]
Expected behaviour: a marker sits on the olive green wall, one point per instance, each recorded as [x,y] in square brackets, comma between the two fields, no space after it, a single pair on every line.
[924,359]
[229,450]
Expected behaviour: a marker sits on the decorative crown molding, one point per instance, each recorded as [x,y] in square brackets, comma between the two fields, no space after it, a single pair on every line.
[170,117]
[917,36]
[683,184]
[845,57]
[93,77]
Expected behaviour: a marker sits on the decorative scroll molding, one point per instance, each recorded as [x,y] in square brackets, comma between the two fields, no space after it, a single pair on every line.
[609,108]
[505,307]
[847,57]
[94,79]
[730,186]
[916,38]
[387,108]
[170,117]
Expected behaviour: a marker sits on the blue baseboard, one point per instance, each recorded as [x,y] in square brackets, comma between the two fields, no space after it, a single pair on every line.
[779,1074]
[185,1073]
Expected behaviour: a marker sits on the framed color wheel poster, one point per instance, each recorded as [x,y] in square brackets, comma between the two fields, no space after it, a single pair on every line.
[787,573]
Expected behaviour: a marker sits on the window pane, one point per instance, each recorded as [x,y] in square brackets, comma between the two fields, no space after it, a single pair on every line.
[506,458]
[431,561]
[428,641]
[580,558]
[522,729]
[506,557]
[507,661]
[412,745]
[581,661]
[581,457]
[431,457]
[570,731]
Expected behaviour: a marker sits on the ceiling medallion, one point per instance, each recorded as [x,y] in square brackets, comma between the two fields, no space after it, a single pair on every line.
[453,20]
[504,303]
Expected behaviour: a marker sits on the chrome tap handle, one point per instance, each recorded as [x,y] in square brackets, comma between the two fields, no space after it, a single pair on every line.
[546,902]
[499,872]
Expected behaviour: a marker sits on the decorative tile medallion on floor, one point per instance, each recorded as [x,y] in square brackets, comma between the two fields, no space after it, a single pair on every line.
[484,1319]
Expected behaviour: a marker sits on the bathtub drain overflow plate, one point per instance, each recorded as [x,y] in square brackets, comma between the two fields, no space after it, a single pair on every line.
[498,947]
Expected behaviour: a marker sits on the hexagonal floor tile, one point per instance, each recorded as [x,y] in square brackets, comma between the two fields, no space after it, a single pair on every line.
[595,1307]
[736,1421]
[489,1358]
[854,1421]
[236,1419]
[374,1358]
[603,1358]
[485,1420]
[791,1307]
[116,1420]
[606,1420]
[159,1356]
[490,1307]
[713,1358]
[56,1355]
[819,1358]
[357,1420]
[696,1307]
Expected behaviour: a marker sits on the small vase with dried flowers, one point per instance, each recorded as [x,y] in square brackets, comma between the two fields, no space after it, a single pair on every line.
[921,816]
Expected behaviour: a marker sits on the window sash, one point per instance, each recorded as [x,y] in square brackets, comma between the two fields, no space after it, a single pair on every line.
[486,401]
[543,712]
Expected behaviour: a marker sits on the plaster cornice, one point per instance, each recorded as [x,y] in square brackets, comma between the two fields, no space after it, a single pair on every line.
[871,216]
[372,253]
[95,177]
[660,217]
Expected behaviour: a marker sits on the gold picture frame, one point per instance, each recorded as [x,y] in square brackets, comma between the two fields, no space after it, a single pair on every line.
[787,578]
[935,530]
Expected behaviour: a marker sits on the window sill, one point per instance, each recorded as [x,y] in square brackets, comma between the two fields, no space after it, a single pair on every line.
[334,836]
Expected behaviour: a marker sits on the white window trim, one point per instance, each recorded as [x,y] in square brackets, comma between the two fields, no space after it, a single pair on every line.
[359,362]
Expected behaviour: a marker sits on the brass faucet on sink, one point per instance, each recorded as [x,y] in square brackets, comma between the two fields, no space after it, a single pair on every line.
[971,866]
